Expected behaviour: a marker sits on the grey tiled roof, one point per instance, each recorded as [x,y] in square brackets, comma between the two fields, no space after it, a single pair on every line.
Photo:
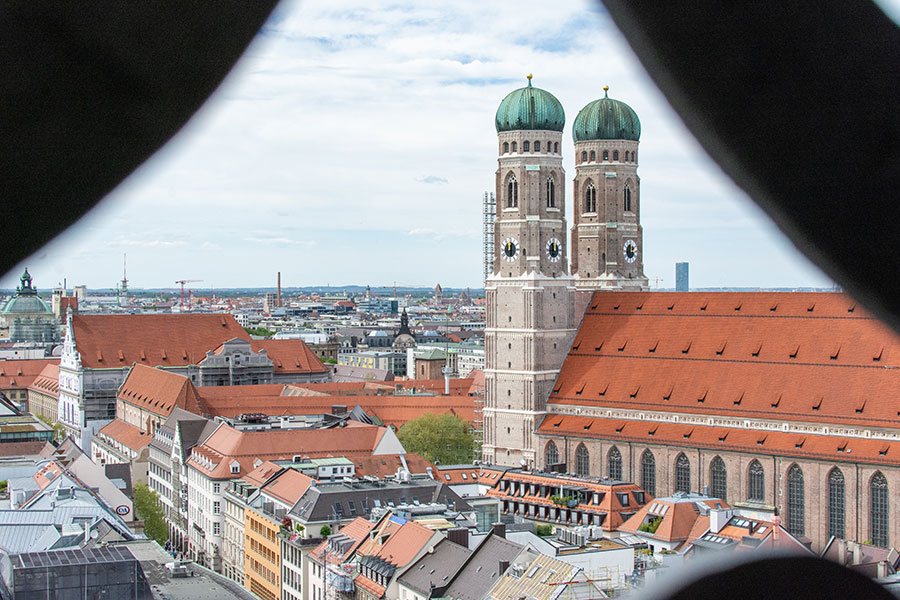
[483,569]
[436,568]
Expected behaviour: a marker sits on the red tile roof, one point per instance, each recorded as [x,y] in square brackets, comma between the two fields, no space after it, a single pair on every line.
[109,341]
[792,356]
[159,391]
[288,487]
[126,434]
[678,518]
[47,382]
[290,356]
[383,465]
[358,529]
[402,544]
[20,374]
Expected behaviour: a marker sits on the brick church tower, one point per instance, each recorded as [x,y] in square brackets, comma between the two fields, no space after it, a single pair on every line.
[530,317]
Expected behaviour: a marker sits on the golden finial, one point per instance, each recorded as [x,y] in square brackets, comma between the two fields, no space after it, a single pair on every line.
[529,76]
[606,91]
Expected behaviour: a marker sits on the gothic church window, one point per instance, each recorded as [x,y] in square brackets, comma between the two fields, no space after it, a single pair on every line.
[537,146]
[614,463]
[584,157]
[590,198]
[795,515]
[526,147]
[505,147]
[551,454]
[878,514]
[593,156]
[756,482]
[682,473]
[512,192]
[836,518]
[551,193]
[582,460]
[615,155]
[606,155]
[515,147]
[555,147]
[627,195]
[648,472]
[718,478]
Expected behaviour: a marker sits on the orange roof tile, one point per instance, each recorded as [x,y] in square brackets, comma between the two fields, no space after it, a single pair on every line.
[358,529]
[108,341]
[810,356]
[288,486]
[47,381]
[679,516]
[129,435]
[383,465]
[20,374]
[159,391]
[290,356]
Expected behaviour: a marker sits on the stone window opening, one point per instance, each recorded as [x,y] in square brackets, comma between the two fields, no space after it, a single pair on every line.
[718,478]
[551,453]
[584,156]
[615,155]
[593,156]
[606,155]
[526,147]
[614,464]
[682,473]
[512,192]
[505,147]
[582,460]
[515,147]
[555,147]
[795,513]
[627,198]
[551,193]
[756,482]
[648,472]
[878,510]
[537,146]
[590,198]
[836,515]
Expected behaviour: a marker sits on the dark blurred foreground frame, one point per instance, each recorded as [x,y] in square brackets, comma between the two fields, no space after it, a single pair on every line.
[89,90]
[796,102]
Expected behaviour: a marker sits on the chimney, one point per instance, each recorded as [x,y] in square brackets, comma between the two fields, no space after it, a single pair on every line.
[499,530]
[855,552]
[278,297]
[841,552]
[776,527]
[504,565]
[459,536]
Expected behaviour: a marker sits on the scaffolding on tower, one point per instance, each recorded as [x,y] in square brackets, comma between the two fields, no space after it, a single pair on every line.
[489,214]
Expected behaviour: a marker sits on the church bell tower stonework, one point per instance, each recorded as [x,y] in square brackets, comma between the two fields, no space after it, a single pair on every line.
[530,320]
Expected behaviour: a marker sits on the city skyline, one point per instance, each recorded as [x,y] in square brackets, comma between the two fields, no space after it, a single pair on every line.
[352,145]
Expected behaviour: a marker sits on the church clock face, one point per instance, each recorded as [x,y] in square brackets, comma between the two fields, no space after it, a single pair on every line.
[630,250]
[510,249]
[554,249]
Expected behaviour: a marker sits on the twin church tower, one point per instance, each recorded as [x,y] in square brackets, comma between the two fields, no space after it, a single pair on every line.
[535,300]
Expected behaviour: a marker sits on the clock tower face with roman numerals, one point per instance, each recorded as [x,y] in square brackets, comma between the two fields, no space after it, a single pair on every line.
[530,318]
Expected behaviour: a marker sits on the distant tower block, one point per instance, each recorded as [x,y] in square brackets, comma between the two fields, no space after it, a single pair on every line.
[278,299]
[682,277]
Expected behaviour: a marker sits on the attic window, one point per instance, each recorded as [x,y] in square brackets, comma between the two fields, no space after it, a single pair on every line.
[739,399]
[796,350]
[860,406]
[602,392]
[588,426]
[883,450]
[761,440]
[818,403]
[877,357]
[687,435]
[842,446]
[810,307]
[834,355]
[776,402]
[620,427]
[738,307]
[622,347]
[654,346]
[702,397]
[576,345]
[851,308]
[143,356]
[639,306]
[687,348]
[556,389]
[773,308]
[579,390]
[721,349]
[556,425]
[599,347]
[594,307]
[635,391]
[723,437]
[671,306]
[99,356]
[668,394]
[163,354]
[705,304]
[758,348]
[616,307]
[799,443]
[653,431]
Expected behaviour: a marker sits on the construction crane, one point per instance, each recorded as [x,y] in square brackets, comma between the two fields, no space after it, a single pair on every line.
[182,282]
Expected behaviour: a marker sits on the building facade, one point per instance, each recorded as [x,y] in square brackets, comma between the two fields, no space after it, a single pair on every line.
[530,315]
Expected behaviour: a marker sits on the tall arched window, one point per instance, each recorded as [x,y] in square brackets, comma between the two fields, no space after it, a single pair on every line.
[615,155]
[515,147]
[505,147]
[584,156]
[551,454]
[682,474]
[512,192]
[537,146]
[525,147]
[626,156]
[648,472]
[582,460]
[590,198]
[836,503]
[795,513]
[551,193]
[878,514]
[614,463]
[627,195]
[756,482]
[606,155]
[593,156]
[718,478]
[555,147]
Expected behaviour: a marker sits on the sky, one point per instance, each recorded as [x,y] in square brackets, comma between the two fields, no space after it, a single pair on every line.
[353,142]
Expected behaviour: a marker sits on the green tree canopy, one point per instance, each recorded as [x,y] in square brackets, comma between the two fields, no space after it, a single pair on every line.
[148,508]
[443,438]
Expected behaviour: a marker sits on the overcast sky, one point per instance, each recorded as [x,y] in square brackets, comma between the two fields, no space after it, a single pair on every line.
[354,140]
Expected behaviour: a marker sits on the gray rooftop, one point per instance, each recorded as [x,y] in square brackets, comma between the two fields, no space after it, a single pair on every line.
[474,580]
[435,568]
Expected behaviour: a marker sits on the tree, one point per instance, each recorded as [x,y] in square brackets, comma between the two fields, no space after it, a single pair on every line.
[59,432]
[445,438]
[148,508]
[325,531]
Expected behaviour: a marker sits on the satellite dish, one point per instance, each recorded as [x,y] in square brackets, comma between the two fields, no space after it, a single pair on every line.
[523,463]
[94,534]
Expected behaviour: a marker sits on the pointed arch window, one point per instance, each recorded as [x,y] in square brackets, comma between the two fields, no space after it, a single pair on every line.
[505,147]
[614,464]
[582,460]
[756,482]
[593,156]
[648,472]
[515,147]
[584,156]
[615,155]
[795,514]
[526,147]
[718,478]
[537,146]
[555,147]
[551,193]
[836,516]
[878,513]
[626,156]
[551,454]
[606,155]
[627,194]
[512,192]
[682,473]
[590,198]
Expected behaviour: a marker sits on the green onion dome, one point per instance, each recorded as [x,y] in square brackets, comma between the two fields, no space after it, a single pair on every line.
[530,108]
[606,119]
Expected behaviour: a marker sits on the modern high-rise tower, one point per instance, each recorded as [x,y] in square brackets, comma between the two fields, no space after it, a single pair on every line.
[607,238]
[530,317]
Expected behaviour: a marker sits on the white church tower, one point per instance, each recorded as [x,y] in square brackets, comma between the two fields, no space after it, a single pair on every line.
[530,295]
